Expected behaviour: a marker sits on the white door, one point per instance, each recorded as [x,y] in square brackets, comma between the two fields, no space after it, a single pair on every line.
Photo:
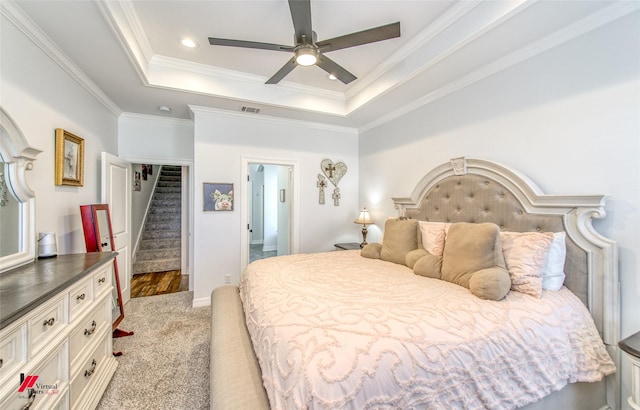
[116,192]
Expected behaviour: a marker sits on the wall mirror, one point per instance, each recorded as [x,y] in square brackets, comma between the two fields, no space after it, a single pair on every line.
[96,224]
[17,200]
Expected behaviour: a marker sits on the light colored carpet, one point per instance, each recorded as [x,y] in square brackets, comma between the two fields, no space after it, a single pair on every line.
[165,364]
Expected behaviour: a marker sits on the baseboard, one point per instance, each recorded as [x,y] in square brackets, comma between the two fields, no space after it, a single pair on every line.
[201,302]
[256,242]
[270,248]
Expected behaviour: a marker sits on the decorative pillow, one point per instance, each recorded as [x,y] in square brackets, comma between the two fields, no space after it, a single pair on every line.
[399,238]
[553,272]
[525,254]
[433,235]
[473,258]
[371,250]
[429,266]
[413,256]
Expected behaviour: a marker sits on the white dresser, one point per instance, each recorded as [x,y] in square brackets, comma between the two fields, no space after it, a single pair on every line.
[56,333]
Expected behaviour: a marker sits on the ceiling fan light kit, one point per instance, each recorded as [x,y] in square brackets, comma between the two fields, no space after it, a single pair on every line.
[309,53]
[306,55]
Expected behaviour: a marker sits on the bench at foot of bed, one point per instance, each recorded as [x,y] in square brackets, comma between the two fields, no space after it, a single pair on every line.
[236,381]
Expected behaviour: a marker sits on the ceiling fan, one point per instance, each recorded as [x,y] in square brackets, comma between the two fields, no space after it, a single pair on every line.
[307,50]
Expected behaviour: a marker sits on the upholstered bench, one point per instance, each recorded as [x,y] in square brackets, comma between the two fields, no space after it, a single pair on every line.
[236,380]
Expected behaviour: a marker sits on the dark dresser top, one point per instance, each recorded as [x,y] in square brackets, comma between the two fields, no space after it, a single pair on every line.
[26,287]
[631,345]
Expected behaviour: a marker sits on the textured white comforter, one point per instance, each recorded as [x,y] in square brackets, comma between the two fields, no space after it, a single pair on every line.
[336,330]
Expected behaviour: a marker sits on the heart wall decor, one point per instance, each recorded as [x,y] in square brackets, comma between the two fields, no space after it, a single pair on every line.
[333,171]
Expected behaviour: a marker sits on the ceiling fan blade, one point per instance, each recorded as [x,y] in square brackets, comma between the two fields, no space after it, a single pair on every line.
[362,37]
[248,44]
[282,73]
[301,16]
[332,67]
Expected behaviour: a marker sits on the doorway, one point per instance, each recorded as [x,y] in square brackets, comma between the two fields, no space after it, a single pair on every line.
[269,216]
[269,209]
[159,221]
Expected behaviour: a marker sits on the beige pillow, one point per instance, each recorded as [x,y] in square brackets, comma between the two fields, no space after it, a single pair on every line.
[400,237]
[433,235]
[525,255]
[413,256]
[473,258]
[429,266]
[371,250]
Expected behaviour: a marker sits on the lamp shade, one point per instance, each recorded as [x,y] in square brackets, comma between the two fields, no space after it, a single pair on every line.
[364,218]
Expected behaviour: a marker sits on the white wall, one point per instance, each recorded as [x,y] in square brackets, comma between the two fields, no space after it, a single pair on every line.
[270,223]
[41,96]
[155,139]
[222,141]
[283,201]
[569,119]
[140,201]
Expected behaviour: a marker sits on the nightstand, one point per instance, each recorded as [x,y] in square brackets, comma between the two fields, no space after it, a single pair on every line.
[347,246]
[631,346]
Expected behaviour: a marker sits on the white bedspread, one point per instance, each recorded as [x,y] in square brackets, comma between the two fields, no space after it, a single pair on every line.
[336,330]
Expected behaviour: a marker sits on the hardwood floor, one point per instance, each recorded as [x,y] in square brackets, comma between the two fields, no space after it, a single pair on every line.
[158,283]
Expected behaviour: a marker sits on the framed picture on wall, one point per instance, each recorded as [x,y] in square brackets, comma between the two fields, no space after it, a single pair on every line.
[137,186]
[69,159]
[217,196]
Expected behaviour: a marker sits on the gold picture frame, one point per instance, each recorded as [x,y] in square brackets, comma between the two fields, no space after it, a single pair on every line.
[69,158]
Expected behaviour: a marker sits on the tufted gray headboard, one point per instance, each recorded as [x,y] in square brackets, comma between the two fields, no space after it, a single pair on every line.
[475,190]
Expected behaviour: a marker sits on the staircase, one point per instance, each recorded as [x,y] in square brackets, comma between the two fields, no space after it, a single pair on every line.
[159,249]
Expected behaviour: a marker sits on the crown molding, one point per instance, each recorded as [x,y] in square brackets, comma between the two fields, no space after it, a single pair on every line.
[438,26]
[570,32]
[226,75]
[12,12]
[125,24]
[156,118]
[274,120]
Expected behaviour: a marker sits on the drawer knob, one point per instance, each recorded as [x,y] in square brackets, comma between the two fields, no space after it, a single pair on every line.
[49,322]
[88,373]
[102,280]
[89,332]
[1,363]
[80,297]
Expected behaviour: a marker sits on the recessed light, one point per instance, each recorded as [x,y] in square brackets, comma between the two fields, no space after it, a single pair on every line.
[164,108]
[188,42]
[332,77]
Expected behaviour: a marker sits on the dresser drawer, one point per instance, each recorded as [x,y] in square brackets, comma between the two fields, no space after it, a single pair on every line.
[13,351]
[43,386]
[86,331]
[90,370]
[80,296]
[46,323]
[102,280]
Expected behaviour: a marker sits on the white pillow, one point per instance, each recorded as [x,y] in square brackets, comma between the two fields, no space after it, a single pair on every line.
[525,255]
[553,273]
[433,236]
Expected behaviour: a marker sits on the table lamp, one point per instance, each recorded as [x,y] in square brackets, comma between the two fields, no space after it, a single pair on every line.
[365,220]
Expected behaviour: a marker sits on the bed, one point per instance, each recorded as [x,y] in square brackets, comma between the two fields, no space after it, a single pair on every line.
[339,330]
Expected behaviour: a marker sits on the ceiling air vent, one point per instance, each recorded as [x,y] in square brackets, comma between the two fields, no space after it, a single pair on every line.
[252,110]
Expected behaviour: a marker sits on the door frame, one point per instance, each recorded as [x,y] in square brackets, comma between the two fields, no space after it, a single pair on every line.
[186,210]
[294,215]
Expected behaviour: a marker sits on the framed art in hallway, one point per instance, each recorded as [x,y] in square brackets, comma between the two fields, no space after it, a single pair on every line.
[69,159]
[217,196]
